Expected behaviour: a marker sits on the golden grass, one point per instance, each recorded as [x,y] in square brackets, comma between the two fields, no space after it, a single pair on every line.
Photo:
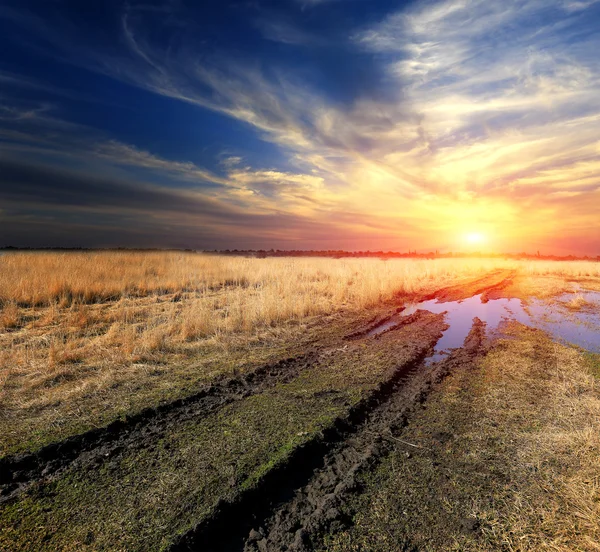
[66,307]
[60,309]
[546,279]
[579,302]
[569,269]
[99,328]
[83,325]
[43,279]
[551,405]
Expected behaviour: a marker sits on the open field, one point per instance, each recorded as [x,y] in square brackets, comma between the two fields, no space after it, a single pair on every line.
[89,337]
[182,401]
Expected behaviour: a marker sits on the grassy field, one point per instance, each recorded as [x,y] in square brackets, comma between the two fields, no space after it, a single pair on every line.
[259,349]
[88,337]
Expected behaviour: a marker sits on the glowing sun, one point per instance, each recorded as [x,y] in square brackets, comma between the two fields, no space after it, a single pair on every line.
[475,238]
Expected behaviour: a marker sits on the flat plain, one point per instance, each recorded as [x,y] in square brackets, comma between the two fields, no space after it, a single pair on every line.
[184,401]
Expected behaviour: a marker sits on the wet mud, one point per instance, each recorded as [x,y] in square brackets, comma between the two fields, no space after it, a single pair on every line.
[98,445]
[487,286]
[316,509]
[229,526]
[377,325]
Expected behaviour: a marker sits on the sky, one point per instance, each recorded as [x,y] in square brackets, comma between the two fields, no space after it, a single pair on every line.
[301,124]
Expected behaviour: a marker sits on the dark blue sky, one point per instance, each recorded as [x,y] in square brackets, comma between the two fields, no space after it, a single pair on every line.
[299,123]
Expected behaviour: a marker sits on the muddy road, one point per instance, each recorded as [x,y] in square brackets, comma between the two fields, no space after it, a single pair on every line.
[369,384]
[330,476]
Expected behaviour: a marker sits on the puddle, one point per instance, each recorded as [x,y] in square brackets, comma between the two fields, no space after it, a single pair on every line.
[580,328]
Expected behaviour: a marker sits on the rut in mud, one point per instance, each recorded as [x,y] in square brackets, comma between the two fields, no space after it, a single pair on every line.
[229,524]
[316,480]
[316,509]
[377,325]
[98,445]
[488,286]
[93,448]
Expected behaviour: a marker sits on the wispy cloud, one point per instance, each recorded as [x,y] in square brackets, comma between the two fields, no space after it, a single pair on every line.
[489,118]
[577,5]
[124,154]
[285,32]
[502,98]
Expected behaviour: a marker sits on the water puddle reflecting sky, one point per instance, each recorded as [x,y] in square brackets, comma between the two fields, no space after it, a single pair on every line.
[581,327]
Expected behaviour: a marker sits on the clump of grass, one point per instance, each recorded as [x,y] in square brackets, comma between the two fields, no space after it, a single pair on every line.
[593,362]
[9,316]
[557,438]
[579,302]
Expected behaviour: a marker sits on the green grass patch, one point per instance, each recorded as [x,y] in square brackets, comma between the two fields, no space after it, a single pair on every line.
[24,429]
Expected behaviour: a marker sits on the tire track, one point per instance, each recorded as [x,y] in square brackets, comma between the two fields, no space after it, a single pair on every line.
[227,528]
[315,509]
[90,449]
[494,281]
[96,446]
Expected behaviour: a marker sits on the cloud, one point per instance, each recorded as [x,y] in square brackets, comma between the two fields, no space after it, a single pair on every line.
[578,5]
[285,32]
[124,154]
[489,117]
[47,203]
[48,185]
[479,100]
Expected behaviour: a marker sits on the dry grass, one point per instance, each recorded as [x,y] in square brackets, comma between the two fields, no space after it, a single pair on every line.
[546,279]
[61,279]
[568,269]
[86,329]
[552,406]
[61,309]
[79,326]
[579,302]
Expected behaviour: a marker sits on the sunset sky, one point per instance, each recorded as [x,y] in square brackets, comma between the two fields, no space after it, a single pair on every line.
[301,124]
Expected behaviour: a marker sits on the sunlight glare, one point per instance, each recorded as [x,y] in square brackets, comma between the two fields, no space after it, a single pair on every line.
[475,238]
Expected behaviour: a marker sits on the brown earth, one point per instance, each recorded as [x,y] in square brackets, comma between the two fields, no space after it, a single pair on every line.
[318,507]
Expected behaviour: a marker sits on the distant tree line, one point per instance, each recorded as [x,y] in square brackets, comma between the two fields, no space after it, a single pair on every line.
[332,253]
[341,254]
